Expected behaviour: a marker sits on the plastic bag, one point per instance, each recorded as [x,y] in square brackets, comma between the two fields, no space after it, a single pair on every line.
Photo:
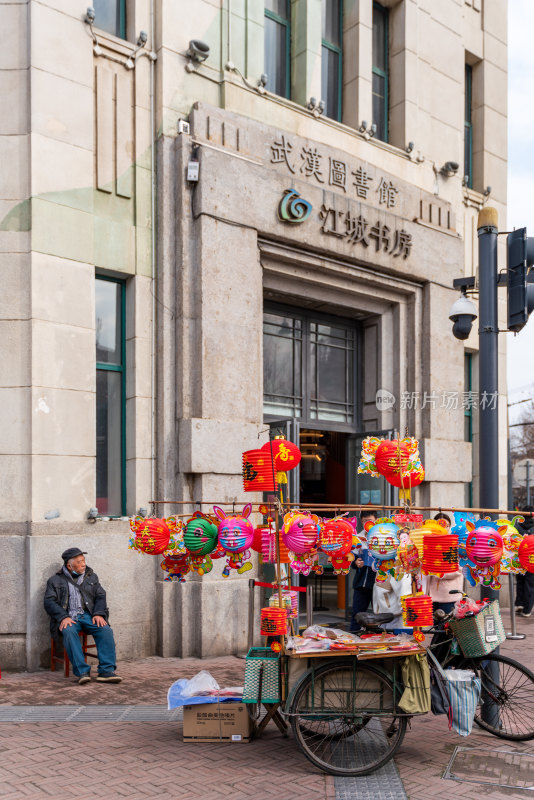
[320,632]
[459,674]
[203,683]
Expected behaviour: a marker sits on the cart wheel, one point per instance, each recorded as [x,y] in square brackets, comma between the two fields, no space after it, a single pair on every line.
[344,721]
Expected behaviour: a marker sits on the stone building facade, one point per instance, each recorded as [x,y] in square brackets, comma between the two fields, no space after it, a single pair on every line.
[193,249]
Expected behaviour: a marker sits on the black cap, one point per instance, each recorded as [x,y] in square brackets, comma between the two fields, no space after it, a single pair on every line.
[72,552]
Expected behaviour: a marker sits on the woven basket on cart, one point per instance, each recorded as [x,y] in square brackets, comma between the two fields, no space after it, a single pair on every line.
[481,634]
[262,676]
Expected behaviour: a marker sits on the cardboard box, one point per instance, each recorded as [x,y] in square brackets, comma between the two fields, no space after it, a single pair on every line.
[217,722]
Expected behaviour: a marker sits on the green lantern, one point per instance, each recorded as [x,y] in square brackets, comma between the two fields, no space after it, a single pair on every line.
[200,535]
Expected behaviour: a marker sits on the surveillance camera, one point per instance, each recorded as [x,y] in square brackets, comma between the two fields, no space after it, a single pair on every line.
[142,39]
[90,15]
[198,51]
[462,314]
[450,168]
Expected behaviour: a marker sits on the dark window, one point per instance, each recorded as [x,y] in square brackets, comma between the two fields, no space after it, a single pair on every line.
[110,16]
[380,71]
[277,46]
[468,127]
[110,397]
[309,367]
[331,55]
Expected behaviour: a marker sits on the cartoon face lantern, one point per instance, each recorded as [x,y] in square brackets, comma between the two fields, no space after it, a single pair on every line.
[484,545]
[235,533]
[300,532]
[335,537]
[383,539]
[235,537]
[200,535]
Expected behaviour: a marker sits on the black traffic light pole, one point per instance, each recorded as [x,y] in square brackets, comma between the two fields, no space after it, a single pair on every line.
[488,377]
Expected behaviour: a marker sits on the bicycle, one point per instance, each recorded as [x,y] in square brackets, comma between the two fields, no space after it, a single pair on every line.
[507,686]
[345,716]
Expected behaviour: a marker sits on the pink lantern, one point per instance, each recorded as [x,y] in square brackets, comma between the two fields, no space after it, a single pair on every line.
[300,532]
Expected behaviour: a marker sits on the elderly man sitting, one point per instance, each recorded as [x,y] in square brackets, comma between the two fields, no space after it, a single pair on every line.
[75,602]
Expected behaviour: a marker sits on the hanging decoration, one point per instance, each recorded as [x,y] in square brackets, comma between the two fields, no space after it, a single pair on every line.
[286,456]
[268,545]
[176,566]
[459,529]
[152,536]
[408,561]
[440,554]
[397,460]
[290,602]
[273,621]
[484,547]
[300,534]
[336,539]
[258,472]
[526,553]
[417,610]
[383,541]
[510,563]
[235,537]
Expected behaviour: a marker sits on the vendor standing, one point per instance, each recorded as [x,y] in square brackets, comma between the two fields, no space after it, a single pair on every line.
[364,578]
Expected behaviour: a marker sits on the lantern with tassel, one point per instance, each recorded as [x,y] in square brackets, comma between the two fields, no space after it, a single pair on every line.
[273,621]
[484,547]
[299,534]
[286,456]
[417,611]
[235,536]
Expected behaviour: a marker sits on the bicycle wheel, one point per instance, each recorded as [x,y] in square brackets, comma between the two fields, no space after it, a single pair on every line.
[510,687]
[343,719]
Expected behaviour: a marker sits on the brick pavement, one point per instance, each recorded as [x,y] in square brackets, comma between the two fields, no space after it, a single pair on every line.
[145,760]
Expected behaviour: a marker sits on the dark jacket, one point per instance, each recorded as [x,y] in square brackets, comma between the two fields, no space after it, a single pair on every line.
[365,576]
[56,599]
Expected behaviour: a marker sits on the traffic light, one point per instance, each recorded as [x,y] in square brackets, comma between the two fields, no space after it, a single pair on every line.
[520,257]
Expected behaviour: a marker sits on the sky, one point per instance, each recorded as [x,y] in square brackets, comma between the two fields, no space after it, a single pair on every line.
[521,174]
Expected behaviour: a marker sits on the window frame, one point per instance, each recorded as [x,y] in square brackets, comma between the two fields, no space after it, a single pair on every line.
[338,50]
[380,9]
[119,368]
[468,126]
[122,21]
[307,317]
[287,25]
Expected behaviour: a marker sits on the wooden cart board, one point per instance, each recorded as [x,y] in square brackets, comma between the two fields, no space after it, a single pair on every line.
[360,653]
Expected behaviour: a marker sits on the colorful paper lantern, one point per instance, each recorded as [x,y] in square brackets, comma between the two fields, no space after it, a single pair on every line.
[440,554]
[273,621]
[268,546]
[336,538]
[300,531]
[235,537]
[152,536]
[383,539]
[286,455]
[290,602]
[484,544]
[258,474]
[392,458]
[200,534]
[526,553]
[417,611]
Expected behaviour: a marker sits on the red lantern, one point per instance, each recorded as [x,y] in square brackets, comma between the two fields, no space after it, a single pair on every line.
[526,553]
[286,455]
[417,611]
[273,621]
[387,459]
[258,472]
[440,554]
[152,536]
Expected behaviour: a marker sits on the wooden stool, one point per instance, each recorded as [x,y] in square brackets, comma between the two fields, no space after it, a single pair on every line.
[64,659]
